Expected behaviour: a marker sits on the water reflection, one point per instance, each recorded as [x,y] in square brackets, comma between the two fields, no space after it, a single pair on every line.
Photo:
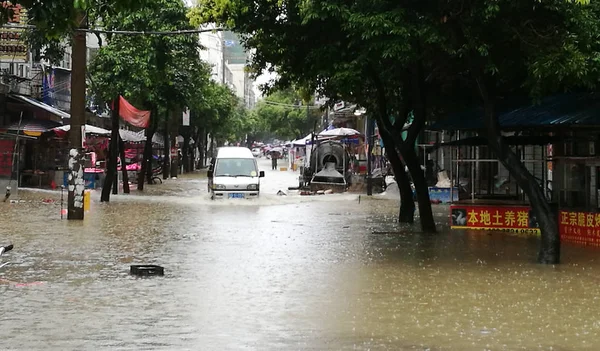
[317,273]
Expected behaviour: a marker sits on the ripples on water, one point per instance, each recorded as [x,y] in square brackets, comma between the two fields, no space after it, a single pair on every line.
[281,273]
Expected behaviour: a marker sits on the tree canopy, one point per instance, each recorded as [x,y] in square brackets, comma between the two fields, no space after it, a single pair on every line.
[282,114]
[154,71]
[220,112]
[54,21]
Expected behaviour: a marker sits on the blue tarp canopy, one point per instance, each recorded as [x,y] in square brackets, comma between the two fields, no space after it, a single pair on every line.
[535,140]
[573,110]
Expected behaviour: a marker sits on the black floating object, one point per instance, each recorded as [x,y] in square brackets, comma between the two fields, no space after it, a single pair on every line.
[145,270]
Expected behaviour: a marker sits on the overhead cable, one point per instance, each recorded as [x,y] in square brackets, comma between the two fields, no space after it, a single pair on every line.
[280,104]
[125,32]
[138,32]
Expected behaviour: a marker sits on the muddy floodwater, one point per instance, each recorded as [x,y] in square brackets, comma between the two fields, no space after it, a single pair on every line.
[280,273]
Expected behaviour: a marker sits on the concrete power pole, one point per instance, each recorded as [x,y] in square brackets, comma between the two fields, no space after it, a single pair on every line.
[76,153]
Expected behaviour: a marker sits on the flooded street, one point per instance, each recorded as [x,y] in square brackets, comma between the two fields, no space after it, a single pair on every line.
[280,273]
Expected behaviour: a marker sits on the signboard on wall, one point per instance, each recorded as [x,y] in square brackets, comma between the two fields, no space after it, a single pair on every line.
[12,41]
[186,118]
[338,106]
[514,219]
[579,227]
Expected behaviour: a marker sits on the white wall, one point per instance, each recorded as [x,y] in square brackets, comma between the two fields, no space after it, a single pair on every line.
[213,51]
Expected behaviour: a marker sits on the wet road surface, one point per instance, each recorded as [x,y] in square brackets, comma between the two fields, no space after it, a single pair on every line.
[280,273]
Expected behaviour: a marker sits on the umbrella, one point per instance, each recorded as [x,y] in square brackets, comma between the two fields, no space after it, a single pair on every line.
[303,141]
[131,136]
[276,149]
[339,132]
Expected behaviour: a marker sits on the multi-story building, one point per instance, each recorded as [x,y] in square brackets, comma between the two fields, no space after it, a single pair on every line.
[225,53]
[24,72]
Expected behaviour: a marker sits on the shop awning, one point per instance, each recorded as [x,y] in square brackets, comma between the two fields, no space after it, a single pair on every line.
[131,136]
[31,127]
[41,105]
[88,129]
[523,140]
[580,110]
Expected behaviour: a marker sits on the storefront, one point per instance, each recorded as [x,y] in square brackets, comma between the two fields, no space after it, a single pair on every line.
[556,141]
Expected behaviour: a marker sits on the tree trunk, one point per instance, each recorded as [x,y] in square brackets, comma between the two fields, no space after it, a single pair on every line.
[549,252]
[418,177]
[111,169]
[198,154]
[175,159]
[174,167]
[142,173]
[204,147]
[186,153]
[167,149]
[76,166]
[175,125]
[123,165]
[407,203]
[406,149]
[147,155]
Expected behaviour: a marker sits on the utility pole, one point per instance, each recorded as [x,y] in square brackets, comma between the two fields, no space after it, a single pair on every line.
[78,88]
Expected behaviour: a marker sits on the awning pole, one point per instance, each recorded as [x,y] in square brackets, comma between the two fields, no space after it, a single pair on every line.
[451,178]
[472,176]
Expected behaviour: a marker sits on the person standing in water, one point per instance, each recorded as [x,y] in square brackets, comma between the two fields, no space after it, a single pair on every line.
[274,157]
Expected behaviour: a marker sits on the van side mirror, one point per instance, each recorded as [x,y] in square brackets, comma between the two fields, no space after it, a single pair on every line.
[209,174]
[261,174]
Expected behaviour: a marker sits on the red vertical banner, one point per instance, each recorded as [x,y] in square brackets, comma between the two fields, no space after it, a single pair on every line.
[579,227]
[7,148]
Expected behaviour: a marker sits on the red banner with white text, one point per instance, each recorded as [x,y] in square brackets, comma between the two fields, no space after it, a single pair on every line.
[516,219]
[579,227]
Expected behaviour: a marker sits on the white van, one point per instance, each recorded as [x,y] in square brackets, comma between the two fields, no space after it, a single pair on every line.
[234,174]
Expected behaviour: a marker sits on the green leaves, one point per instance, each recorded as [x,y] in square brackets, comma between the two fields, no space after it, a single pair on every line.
[154,71]
[283,114]
[54,21]
[221,112]
[80,4]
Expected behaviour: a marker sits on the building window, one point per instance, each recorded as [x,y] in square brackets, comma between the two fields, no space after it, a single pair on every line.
[67,61]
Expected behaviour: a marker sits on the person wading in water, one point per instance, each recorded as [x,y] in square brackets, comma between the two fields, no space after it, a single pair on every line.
[274,157]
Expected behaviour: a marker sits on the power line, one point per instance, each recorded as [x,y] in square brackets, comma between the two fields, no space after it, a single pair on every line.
[280,104]
[125,32]
[137,32]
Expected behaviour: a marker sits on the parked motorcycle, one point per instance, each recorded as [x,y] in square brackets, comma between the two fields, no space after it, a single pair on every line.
[4,249]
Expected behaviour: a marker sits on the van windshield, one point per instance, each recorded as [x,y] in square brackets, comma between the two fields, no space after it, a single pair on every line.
[235,167]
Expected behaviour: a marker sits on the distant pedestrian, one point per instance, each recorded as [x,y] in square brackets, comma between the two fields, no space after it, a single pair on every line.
[274,161]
